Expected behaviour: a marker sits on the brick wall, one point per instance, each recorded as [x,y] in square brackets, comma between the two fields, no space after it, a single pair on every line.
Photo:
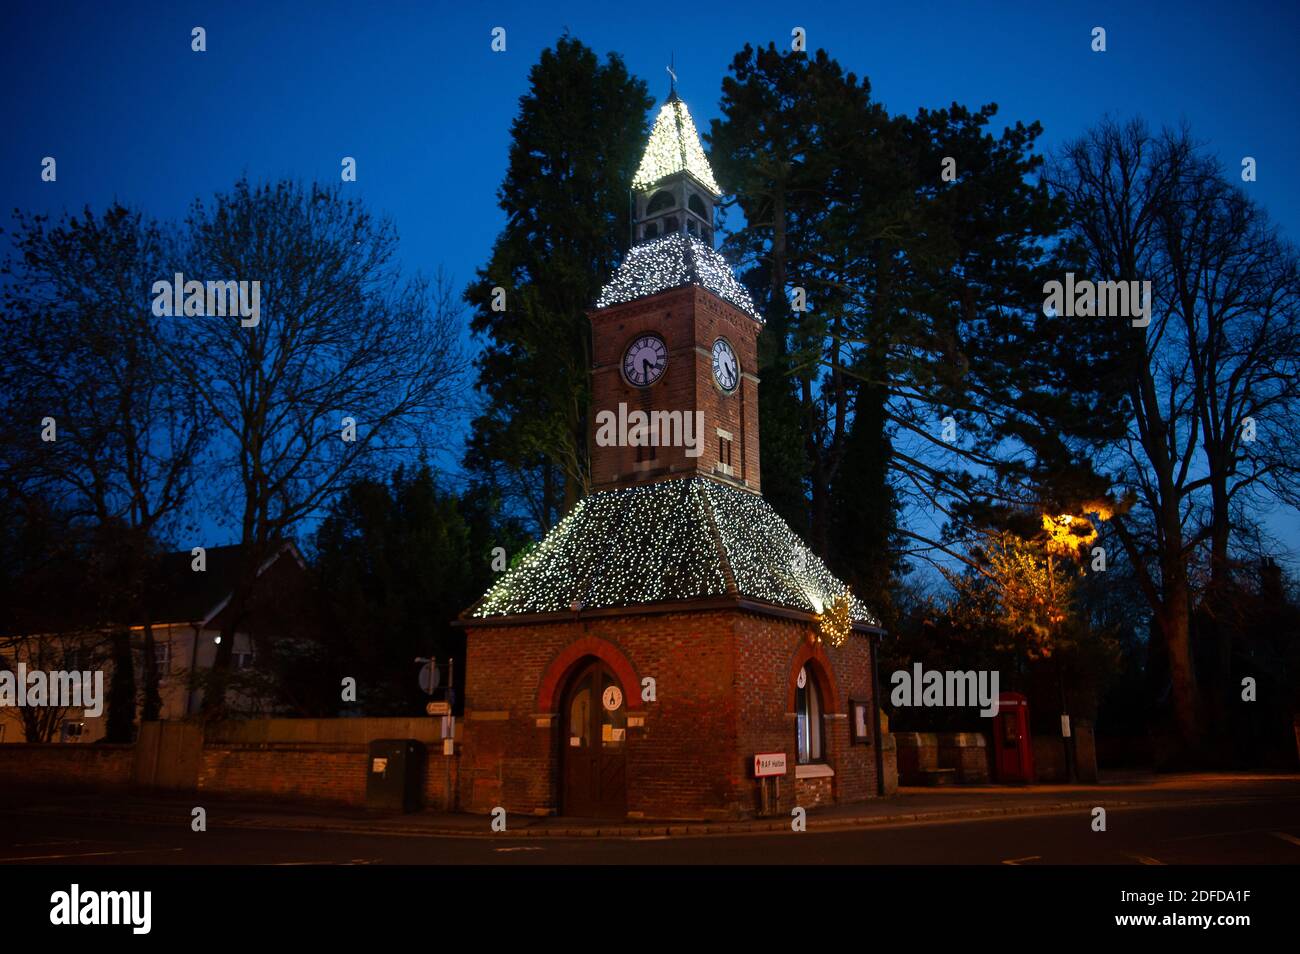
[326,773]
[689,320]
[771,653]
[309,772]
[724,691]
[56,766]
[968,753]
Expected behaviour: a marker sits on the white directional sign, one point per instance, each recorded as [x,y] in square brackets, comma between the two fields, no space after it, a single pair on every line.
[769,763]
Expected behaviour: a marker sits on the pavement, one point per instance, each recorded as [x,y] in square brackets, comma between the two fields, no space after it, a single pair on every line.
[910,806]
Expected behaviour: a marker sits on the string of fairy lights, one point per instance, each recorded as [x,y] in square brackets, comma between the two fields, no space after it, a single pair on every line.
[674,146]
[673,261]
[653,544]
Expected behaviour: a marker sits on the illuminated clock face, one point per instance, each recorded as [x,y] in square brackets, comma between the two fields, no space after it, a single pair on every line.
[726,369]
[644,360]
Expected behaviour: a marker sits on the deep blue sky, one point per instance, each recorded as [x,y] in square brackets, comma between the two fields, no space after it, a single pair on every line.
[413,91]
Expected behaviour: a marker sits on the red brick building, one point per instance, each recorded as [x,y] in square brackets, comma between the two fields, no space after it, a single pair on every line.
[672,626]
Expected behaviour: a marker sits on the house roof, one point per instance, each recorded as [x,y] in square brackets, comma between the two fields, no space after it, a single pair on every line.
[181,595]
[674,261]
[681,539]
[674,146]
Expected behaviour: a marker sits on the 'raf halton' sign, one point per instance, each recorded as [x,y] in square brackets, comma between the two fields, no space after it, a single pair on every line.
[769,763]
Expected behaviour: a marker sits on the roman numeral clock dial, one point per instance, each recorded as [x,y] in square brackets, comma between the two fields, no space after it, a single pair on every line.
[644,360]
[726,369]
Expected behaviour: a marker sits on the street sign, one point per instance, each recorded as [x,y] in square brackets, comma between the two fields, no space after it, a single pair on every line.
[437,708]
[767,764]
[429,677]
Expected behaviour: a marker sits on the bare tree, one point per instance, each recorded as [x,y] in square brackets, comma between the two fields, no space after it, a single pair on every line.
[123,438]
[1211,381]
[343,365]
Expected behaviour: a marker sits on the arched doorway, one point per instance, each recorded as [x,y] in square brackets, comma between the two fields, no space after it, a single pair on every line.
[593,744]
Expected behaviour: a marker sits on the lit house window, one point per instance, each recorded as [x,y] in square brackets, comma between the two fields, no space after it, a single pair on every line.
[808,725]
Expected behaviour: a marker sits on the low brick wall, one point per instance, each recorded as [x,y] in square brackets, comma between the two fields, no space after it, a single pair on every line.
[327,731]
[1049,756]
[322,761]
[62,765]
[311,772]
[918,753]
[301,771]
[922,752]
[968,753]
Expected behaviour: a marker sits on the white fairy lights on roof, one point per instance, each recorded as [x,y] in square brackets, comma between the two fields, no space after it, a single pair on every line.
[654,544]
[674,146]
[674,261]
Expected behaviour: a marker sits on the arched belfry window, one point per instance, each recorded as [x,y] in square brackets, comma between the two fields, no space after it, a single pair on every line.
[810,740]
[696,205]
[660,201]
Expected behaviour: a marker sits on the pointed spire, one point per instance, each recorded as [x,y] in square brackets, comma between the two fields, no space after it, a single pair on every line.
[672,83]
[674,146]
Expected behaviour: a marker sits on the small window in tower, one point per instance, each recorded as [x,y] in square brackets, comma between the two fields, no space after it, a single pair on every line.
[671,224]
[696,205]
[690,226]
[650,231]
[660,201]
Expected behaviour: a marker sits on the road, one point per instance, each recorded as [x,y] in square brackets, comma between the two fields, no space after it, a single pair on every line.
[1266,831]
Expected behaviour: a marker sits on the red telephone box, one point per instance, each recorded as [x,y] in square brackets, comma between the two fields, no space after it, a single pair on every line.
[1013,749]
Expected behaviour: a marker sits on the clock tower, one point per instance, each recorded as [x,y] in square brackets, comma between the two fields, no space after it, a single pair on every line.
[674,334]
[671,648]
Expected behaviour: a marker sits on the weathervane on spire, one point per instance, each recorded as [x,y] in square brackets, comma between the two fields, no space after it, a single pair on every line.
[672,84]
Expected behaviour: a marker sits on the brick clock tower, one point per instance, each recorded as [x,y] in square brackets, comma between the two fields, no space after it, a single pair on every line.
[674,331]
[671,648]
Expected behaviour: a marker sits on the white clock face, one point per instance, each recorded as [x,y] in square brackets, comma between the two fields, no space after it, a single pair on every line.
[726,369]
[644,360]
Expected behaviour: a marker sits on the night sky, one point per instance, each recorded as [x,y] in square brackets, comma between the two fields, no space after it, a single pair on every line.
[415,94]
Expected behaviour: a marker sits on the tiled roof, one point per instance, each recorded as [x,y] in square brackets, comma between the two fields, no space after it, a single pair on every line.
[674,261]
[675,540]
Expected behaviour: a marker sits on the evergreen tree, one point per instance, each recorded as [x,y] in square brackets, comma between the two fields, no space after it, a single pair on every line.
[575,146]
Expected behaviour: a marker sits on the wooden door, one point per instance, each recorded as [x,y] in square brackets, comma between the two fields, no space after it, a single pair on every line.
[594,745]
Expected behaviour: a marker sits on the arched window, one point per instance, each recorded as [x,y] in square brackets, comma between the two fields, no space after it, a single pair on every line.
[696,205]
[809,741]
[660,201]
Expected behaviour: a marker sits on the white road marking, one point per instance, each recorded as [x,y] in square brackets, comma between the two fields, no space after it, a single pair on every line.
[90,854]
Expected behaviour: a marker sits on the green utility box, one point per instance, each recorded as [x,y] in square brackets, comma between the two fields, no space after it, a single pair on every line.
[395,775]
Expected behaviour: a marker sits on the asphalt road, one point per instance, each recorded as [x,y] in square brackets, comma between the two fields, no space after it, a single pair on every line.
[1266,831]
